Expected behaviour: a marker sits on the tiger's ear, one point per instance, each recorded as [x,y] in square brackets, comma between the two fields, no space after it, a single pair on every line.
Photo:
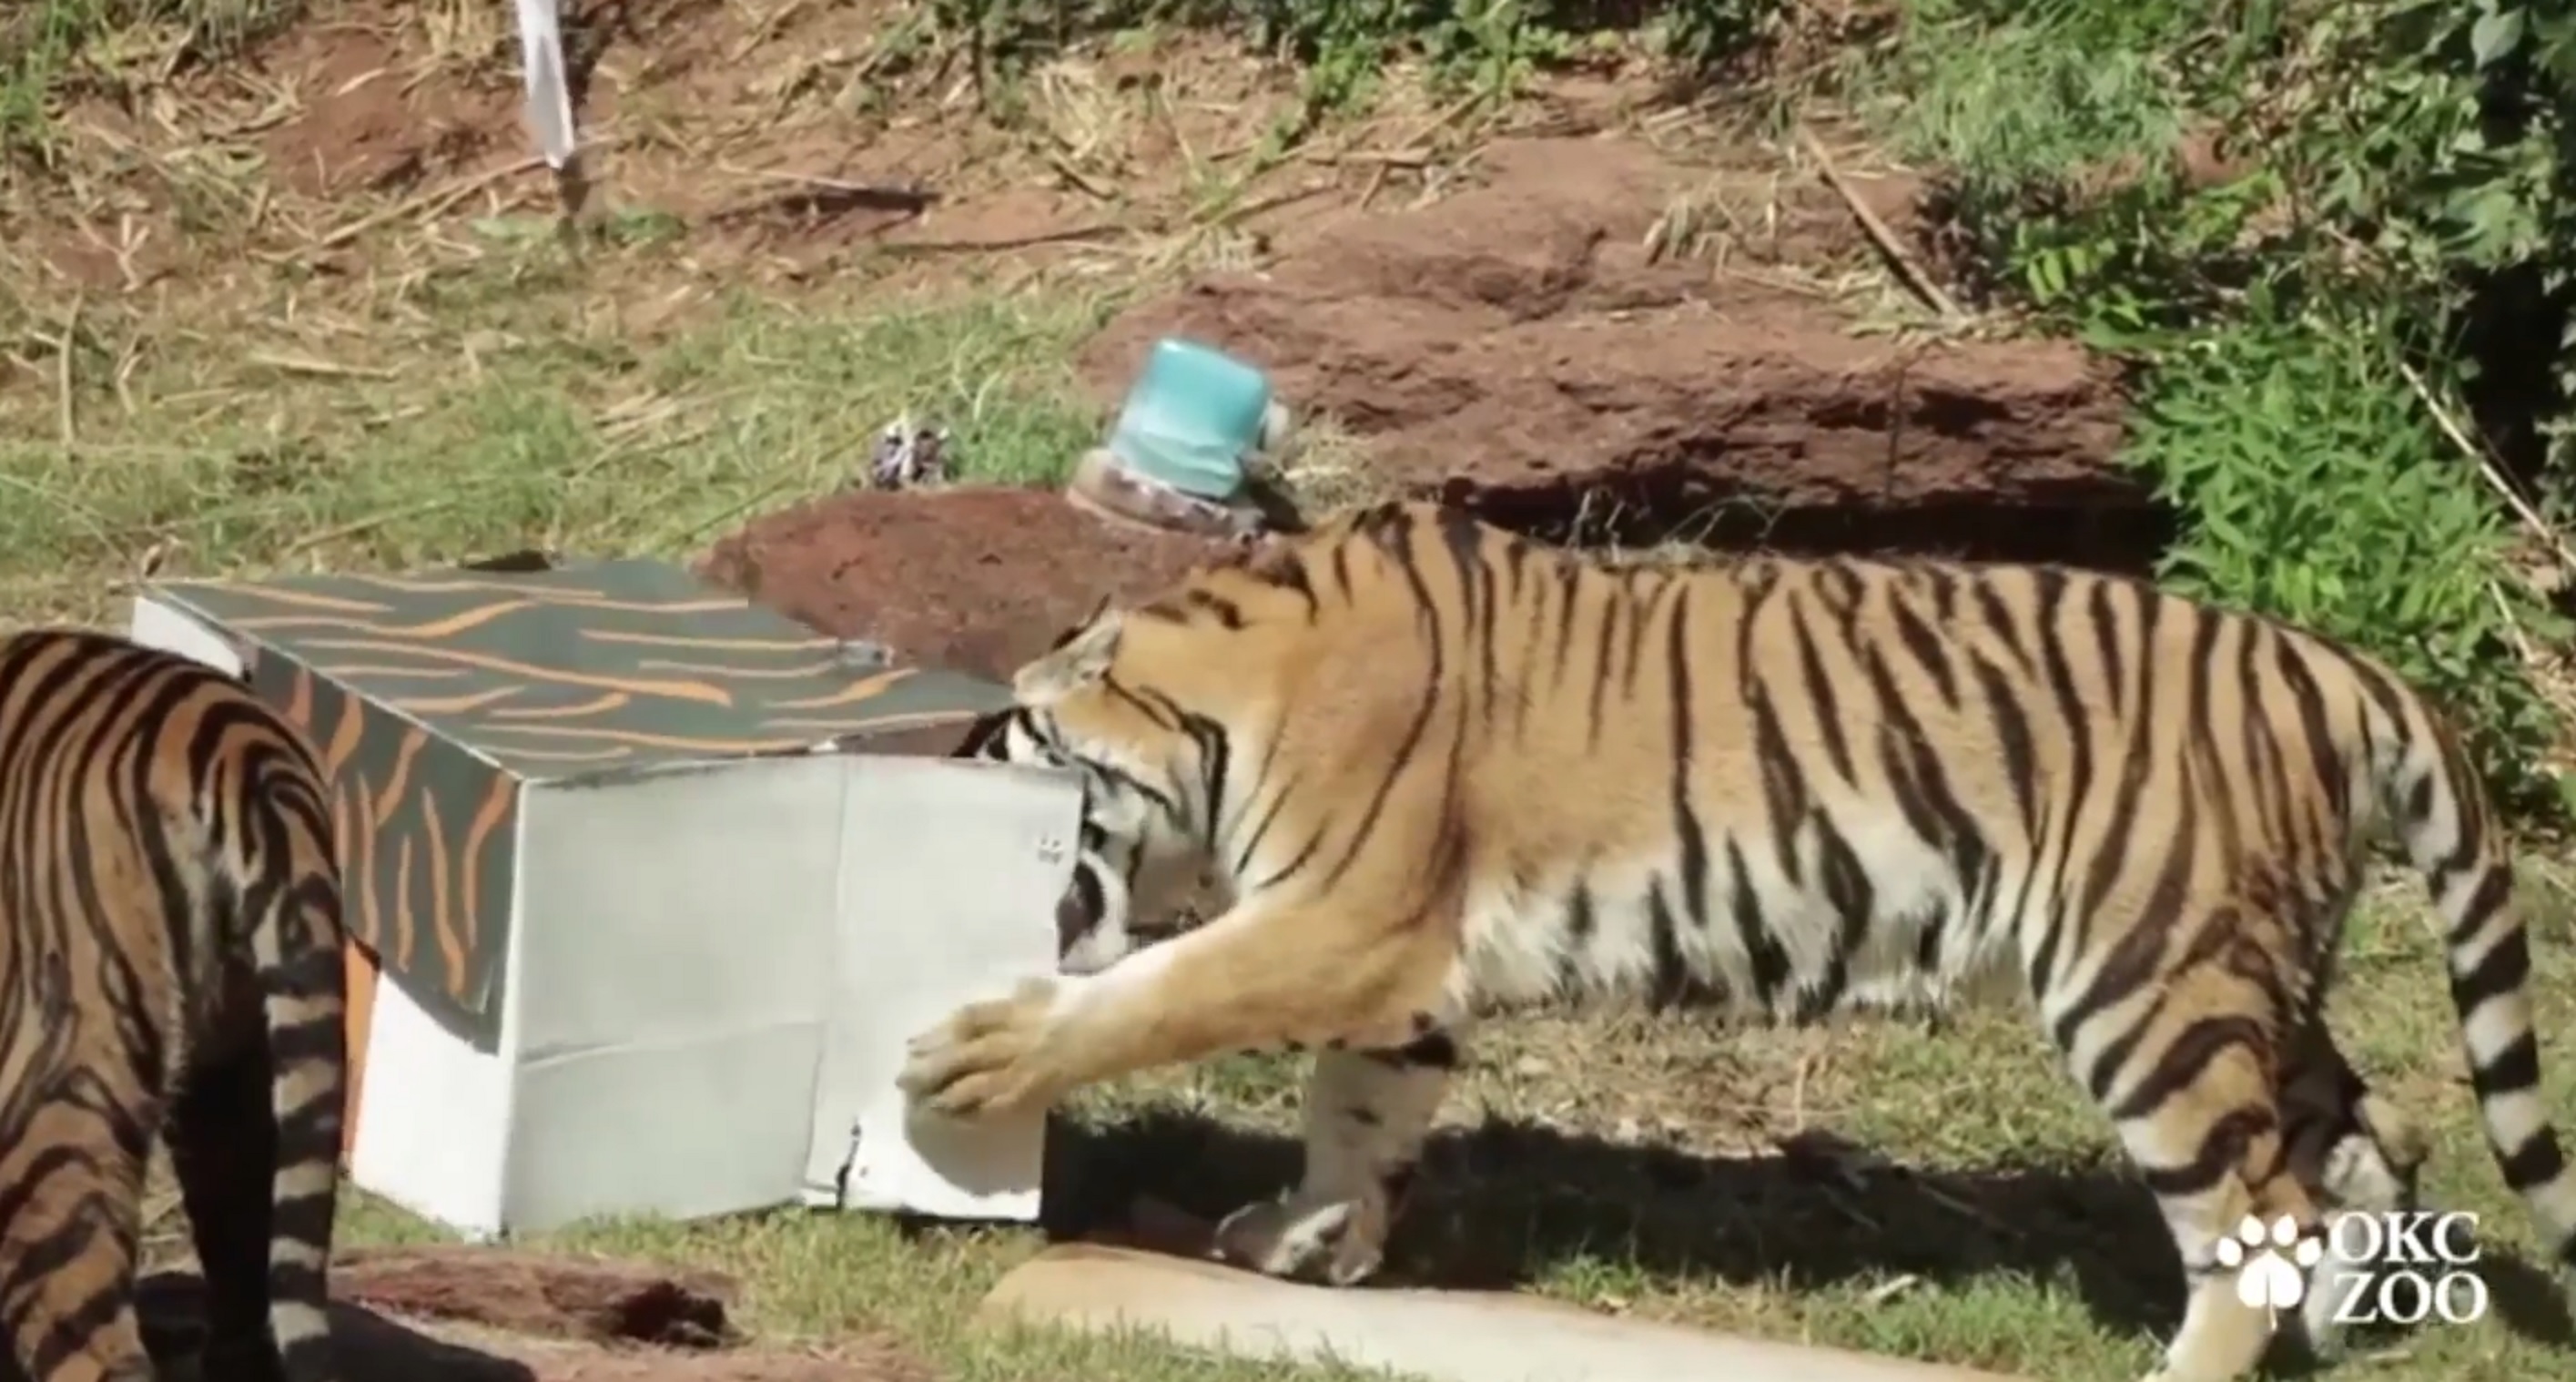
[1076,663]
[1074,630]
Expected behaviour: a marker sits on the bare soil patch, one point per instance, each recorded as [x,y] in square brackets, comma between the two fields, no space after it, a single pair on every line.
[976,579]
[461,1314]
[1524,346]
[785,143]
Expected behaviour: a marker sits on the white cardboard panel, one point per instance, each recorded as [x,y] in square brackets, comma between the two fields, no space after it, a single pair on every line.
[951,873]
[664,907]
[434,1117]
[711,1124]
[671,967]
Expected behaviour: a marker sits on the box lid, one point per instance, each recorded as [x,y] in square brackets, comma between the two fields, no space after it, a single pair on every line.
[435,698]
[606,667]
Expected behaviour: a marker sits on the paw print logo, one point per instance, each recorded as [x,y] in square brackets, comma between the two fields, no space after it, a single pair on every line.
[2271,1267]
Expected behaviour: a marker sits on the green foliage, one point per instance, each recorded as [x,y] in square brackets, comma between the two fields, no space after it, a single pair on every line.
[2320,491]
[1342,46]
[2394,195]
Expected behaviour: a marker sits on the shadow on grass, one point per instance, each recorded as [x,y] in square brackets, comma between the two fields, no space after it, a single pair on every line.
[367,1345]
[1505,1204]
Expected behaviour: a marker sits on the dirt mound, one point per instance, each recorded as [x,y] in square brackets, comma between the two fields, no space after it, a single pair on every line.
[973,579]
[461,1314]
[1516,346]
[599,1300]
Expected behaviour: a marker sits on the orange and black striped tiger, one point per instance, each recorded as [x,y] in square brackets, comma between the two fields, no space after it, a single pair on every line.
[1442,771]
[170,934]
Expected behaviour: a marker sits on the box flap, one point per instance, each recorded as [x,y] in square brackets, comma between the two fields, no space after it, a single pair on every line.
[951,871]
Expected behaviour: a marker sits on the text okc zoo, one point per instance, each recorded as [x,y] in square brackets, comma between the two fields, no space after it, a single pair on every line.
[2405,1268]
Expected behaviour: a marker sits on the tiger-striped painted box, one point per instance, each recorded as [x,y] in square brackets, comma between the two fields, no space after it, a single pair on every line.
[646,888]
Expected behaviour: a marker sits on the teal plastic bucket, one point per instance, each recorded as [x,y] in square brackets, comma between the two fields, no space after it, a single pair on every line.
[1193,414]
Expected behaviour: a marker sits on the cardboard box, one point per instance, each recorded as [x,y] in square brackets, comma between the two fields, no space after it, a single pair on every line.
[646,887]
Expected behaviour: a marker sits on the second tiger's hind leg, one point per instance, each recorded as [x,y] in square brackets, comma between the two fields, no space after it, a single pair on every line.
[2356,1153]
[2184,1063]
[70,1214]
[1367,1115]
[223,1144]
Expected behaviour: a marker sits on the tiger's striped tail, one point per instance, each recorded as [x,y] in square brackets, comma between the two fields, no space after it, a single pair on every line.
[292,903]
[2449,833]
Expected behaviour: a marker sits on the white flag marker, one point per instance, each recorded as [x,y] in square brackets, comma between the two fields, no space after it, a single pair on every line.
[549,95]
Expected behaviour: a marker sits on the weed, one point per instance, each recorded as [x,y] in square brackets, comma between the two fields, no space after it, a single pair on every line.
[2274,213]
[48,47]
[2319,490]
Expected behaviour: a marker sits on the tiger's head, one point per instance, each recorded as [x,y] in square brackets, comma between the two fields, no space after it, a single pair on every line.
[1160,707]
[1151,705]
[1137,878]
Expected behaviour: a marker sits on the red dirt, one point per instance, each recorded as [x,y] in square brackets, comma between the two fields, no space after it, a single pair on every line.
[603,1301]
[972,579]
[365,125]
[1514,343]
[460,1314]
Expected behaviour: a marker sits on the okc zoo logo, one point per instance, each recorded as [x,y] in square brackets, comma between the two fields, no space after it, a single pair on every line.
[2393,1268]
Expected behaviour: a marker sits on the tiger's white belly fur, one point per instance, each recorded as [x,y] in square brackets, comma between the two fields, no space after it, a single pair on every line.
[1524,946]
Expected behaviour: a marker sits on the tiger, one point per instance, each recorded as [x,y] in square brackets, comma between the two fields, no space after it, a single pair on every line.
[170,959]
[2343,1137]
[1443,772]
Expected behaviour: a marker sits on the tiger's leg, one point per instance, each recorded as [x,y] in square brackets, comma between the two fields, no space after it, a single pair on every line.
[1257,977]
[69,1219]
[223,1143]
[2357,1154]
[1367,1115]
[2183,1060]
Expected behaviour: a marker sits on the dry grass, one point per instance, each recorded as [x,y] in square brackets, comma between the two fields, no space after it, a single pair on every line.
[315,311]
[227,344]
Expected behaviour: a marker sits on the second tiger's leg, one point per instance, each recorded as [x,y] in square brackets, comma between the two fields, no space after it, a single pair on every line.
[2357,1154]
[69,1223]
[1367,1115]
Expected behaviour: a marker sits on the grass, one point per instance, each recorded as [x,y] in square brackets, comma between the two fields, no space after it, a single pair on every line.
[464,385]
[1951,1197]
[512,411]
[2005,104]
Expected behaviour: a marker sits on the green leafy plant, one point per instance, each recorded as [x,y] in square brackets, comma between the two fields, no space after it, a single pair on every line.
[2269,209]
[2318,490]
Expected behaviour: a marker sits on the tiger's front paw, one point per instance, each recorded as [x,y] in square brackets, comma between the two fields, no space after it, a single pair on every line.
[986,1059]
[1339,1242]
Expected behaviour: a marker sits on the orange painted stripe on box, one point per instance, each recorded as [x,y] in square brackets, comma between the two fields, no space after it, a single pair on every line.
[360,1013]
